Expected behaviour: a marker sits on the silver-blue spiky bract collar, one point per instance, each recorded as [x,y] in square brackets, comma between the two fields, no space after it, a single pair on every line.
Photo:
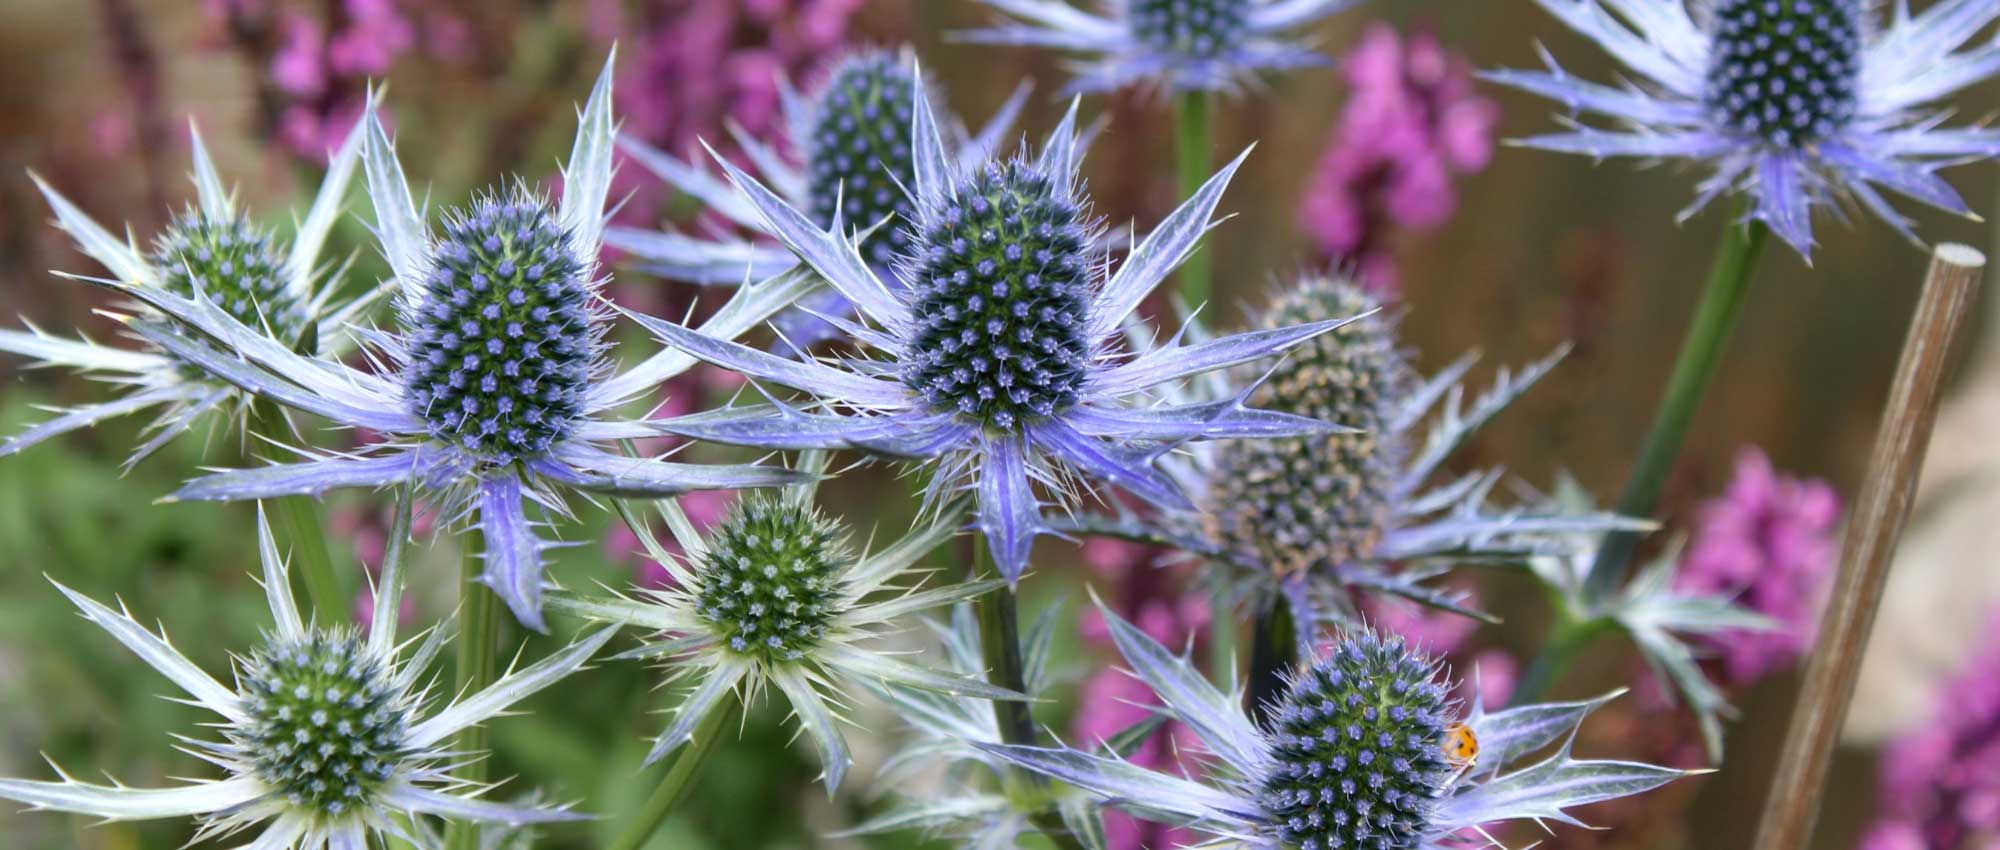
[329,737]
[850,133]
[1170,45]
[1793,103]
[1353,757]
[493,391]
[999,355]
[213,250]
[1317,518]
[774,595]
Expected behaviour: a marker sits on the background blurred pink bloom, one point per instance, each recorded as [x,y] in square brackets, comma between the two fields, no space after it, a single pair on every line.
[1767,541]
[697,66]
[1411,127]
[1940,785]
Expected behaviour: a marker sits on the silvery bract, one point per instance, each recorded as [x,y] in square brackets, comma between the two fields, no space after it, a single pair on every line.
[1353,757]
[1794,102]
[1314,518]
[773,595]
[1661,619]
[998,338]
[327,736]
[212,251]
[495,390]
[970,804]
[1177,45]
[852,135]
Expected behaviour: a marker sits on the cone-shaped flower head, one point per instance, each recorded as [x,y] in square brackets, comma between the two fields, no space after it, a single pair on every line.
[495,389]
[328,737]
[1321,499]
[1000,353]
[1356,760]
[851,133]
[1795,103]
[1314,517]
[1176,45]
[214,251]
[502,354]
[775,595]
[1354,756]
[857,154]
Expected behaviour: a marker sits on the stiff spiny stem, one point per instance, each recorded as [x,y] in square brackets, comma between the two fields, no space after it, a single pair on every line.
[1694,369]
[1273,655]
[295,524]
[1714,322]
[478,638]
[1887,491]
[1000,640]
[1191,160]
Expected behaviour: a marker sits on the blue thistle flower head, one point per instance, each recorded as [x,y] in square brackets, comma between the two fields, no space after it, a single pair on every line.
[1355,758]
[852,131]
[504,350]
[773,596]
[1000,342]
[234,263]
[327,724]
[492,392]
[1002,279]
[857,158]
[1315,518]
[328,736]
[1195,28]
[1175,45]
[213,251]
[1794,103]
[772,578]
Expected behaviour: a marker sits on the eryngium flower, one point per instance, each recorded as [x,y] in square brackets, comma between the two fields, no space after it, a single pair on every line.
[775,595]
[851,133]
[215,252]
[1354,756]
[999,341]
[1312,516]
[1795,102]
[1177,45]
[495,391]
[328,734]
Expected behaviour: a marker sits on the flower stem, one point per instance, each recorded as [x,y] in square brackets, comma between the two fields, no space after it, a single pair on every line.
[478,637]
[1274,649]
[1000,642]
[674,787]
[1566,641]
[1191,164]
[1715,319]
[295,524]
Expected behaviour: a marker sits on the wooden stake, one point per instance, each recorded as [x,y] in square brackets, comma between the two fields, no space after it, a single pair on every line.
[1870,542]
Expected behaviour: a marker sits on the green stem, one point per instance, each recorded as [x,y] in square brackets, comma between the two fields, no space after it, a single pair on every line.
[478,638]
[674,787]
[1000,642]
[1566,642]
[1274,650]
[1222,638]
[1714,321]
[1191,164]
[295,526]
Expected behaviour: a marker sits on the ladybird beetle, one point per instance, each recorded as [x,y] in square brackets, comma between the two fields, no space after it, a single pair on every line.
[1461,747]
